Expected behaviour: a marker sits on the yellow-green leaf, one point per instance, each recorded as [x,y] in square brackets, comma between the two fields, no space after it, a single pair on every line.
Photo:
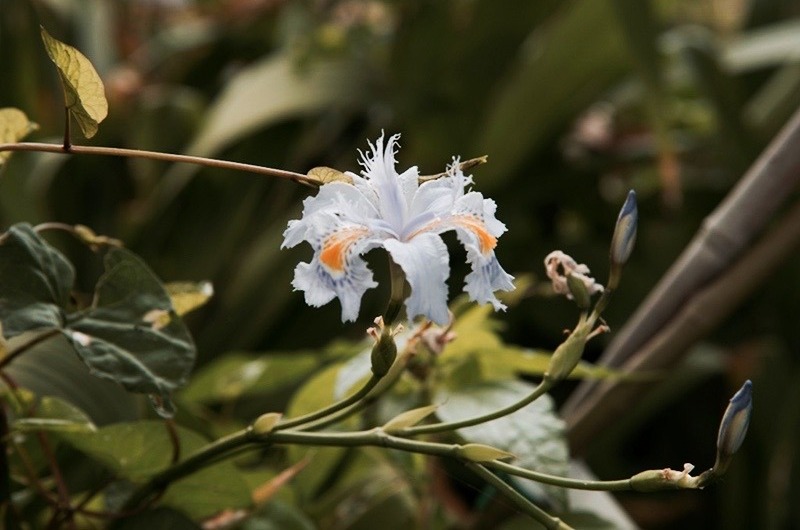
[84,94]
[409,418]
[324,175]
[188,296]
[14,126]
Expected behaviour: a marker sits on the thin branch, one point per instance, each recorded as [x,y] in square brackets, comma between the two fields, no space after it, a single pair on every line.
[540,390]
[167,157]
[22,348]
[331,409]
[547,520]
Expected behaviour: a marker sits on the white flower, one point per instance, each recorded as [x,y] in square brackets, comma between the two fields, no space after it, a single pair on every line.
[385,209]
[558,260]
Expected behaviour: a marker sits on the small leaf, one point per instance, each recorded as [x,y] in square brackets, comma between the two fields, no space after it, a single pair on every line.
[482,453]
[84,94]
[188,296]
[14,126]
[54,414]
[324,175]
[408,418]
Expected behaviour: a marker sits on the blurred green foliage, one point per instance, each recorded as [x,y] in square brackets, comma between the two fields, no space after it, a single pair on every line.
[573,101]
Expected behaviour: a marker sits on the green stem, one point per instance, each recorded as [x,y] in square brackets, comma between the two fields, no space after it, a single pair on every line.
[194,463]
[547,520]
[564,482]
[397,297]
[331,409]
[541,389]
[25,346]
[155,155]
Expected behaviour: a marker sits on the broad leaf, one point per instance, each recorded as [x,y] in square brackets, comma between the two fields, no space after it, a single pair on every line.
[54,414]
[238,374]
[138,450]
[124,337]
[158,519]
[35,282]
[84,94]
[534,434]
[130,334]
[14,126]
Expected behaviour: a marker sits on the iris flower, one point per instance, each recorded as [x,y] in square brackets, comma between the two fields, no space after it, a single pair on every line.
[382,208]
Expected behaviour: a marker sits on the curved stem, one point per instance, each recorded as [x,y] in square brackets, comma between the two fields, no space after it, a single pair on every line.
[156,155]
[398,286]
[331,409]
[564,482]
[194,463]
[547,520]
[25,346]
[543,387]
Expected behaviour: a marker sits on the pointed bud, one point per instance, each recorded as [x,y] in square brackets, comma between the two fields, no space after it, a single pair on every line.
[385,350]
[733,427]
[625,232]
[568,353]
[482,453]
[577,288]
[408,418]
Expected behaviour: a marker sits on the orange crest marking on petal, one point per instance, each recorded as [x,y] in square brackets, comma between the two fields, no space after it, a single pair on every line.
[487,241]
[334,249]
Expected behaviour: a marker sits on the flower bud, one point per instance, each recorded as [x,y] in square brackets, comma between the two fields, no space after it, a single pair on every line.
[482,453]
[568,353]
[577,288]
[625,232]
[266,422]
[383,353]
[733,427]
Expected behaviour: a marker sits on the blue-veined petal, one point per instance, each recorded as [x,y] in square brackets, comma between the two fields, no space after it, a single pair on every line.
[424,261]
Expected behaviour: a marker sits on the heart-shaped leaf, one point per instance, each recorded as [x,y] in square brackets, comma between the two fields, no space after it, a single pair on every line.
[84,94]
[119,337]
[35,282]
[130,334]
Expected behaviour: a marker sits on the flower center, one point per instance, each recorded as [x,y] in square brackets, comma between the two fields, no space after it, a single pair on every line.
[336,246]
[486,240]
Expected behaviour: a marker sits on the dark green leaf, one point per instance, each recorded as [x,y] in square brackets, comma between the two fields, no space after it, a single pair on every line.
[35,282]
[131,334]
[278,515]
[158,519]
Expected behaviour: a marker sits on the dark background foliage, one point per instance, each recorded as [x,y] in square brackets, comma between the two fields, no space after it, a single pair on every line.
[573,101]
